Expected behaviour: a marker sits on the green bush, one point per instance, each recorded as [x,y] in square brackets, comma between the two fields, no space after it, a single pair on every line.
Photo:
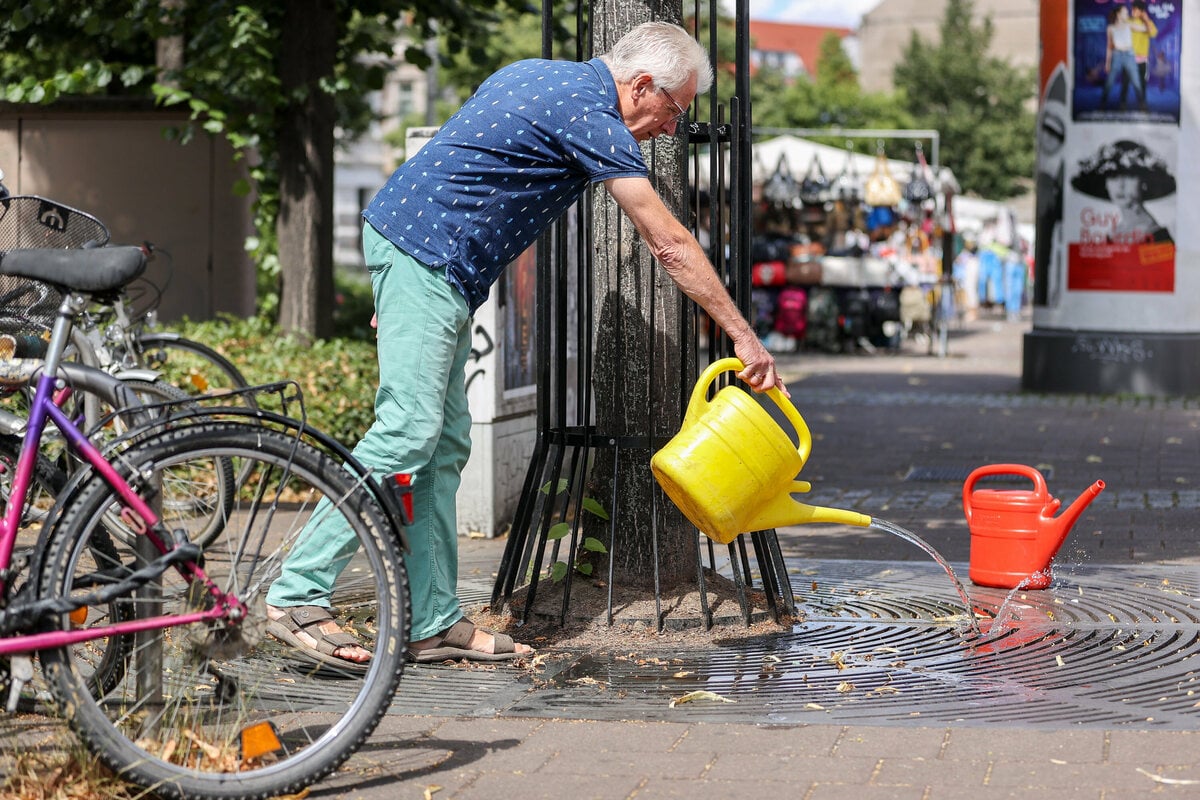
[338,377]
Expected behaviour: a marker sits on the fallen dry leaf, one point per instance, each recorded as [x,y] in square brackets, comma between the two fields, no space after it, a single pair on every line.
[693,696]
[586,681]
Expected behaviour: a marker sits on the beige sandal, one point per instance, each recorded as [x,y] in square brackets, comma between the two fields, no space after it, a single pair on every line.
[456,644]
[308,619]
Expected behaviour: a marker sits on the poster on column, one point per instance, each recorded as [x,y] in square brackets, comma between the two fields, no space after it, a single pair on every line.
[1127,56]
[1118,209]
[1119,163]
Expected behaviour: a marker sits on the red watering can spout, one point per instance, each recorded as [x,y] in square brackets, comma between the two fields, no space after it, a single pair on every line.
[1062,525]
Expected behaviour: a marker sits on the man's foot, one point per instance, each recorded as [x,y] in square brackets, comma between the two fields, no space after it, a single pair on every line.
[315,635]
[464,640]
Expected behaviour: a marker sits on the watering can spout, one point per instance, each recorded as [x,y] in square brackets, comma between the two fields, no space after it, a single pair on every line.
[783,511]
[1057,528]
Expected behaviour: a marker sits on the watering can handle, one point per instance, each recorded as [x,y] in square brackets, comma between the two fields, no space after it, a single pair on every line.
[1039,482]
[699,402]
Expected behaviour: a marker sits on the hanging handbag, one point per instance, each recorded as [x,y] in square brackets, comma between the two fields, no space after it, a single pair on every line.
[781,189]
[881,188]
[847,186]
[814,189]
[920,185]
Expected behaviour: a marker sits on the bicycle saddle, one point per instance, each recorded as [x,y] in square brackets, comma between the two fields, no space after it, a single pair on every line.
[99,269]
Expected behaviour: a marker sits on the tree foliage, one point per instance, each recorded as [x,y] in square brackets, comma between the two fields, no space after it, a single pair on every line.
[830,99]
[979,104]
[229,75]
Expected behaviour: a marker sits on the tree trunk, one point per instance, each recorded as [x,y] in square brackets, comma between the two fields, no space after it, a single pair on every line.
[168,50]
[305,225]
[638,354]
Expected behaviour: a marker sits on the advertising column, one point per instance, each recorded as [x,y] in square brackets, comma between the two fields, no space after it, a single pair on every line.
[1117,251]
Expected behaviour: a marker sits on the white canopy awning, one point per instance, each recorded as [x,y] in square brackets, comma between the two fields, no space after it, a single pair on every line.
[797,156]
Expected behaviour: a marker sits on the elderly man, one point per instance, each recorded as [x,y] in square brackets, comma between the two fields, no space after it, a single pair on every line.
[439,233]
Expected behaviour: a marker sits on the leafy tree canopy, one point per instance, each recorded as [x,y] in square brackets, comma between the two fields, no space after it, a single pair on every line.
[228,69]
[979,104]
[830,99]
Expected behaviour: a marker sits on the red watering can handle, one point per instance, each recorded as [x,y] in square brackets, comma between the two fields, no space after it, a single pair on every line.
[1039,482]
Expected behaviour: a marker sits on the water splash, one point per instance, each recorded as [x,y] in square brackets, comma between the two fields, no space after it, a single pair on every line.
[909,536]
[1008,612]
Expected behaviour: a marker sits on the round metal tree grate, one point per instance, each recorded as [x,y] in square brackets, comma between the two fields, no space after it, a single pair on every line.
[888,643]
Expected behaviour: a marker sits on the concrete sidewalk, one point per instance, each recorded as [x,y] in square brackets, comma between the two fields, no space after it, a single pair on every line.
[895,435]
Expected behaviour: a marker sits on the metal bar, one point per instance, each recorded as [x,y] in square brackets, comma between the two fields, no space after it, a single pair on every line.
[866,133]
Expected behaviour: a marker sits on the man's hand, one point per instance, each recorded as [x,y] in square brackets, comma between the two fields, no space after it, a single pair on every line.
[760,371]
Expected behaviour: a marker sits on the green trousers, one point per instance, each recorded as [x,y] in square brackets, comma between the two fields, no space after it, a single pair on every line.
[422,427]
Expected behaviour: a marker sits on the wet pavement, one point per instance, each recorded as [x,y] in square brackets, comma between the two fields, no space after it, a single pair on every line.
[1085,689]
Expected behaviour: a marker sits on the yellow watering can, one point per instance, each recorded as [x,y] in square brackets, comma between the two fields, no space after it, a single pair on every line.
[731,469]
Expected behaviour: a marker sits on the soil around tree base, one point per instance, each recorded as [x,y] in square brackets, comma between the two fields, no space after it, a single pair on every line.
[634,615]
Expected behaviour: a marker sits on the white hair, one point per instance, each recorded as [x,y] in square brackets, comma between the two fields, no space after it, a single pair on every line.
[665,52]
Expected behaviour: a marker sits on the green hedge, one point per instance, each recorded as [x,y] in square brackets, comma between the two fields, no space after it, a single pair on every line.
[338,377]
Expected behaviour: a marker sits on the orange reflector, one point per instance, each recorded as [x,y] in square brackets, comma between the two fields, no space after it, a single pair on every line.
[258,740]
[78,616]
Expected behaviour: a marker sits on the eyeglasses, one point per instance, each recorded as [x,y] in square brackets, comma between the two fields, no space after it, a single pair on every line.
[682,111]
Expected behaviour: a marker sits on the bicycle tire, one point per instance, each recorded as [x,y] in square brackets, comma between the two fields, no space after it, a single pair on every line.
[215,682]
[192,366]
[48,481]
[104,659]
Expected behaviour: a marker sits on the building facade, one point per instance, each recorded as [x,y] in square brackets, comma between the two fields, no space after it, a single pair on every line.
[887,29]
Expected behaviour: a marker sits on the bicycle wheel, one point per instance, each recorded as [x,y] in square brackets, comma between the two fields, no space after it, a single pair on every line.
[194,367]
[101,661]
[222,709]
[48,481]
[206,492]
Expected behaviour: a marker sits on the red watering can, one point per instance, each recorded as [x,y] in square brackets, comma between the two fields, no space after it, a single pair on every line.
[1014,533]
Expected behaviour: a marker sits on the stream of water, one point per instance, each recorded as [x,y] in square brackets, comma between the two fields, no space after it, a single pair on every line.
[1009,610]
[909,536]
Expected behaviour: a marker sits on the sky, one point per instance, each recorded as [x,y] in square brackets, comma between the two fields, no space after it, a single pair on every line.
[840,13]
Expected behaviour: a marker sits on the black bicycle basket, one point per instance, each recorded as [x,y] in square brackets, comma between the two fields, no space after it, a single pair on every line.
[27,307]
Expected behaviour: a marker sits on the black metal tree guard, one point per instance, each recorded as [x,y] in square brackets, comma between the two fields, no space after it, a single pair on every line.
[568,437]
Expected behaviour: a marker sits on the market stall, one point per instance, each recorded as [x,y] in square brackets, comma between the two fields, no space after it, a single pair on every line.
[847,247]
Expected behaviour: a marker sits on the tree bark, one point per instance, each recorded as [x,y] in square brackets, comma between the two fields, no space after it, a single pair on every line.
[305,226]
[638,355]
[168,50]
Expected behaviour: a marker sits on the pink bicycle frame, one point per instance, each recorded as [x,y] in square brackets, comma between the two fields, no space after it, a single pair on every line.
[43,409]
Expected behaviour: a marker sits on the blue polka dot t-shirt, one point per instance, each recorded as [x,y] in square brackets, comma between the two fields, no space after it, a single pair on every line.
[501,170]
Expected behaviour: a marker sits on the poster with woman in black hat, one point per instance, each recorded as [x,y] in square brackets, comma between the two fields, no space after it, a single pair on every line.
[1121,244]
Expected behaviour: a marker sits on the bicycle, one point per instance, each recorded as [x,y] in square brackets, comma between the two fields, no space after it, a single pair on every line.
[153,642]
[28,310]
[112,335]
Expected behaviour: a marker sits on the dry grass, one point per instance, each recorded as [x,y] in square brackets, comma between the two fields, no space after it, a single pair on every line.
[55,773]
